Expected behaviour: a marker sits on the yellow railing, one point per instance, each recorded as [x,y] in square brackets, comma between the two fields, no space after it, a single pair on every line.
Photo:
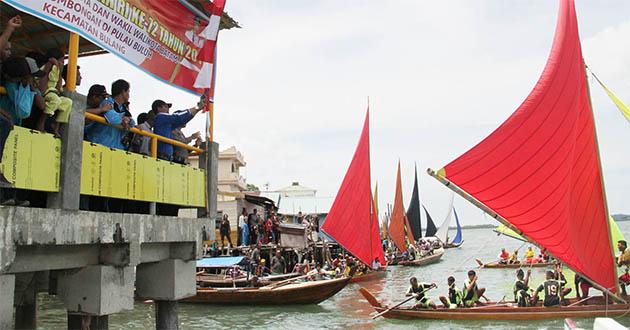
[154,137]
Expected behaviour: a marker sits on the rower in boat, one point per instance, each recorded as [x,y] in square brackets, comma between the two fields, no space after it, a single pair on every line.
[559,276]
[581,285]
[551,288]
[455,295]
[623,260]
[529,255]
[422,301]
[471,290]
[278,264]
[521,288]
[504,257]
[514,258]
[376,264]
[411,252]
[319,273]
[255,282]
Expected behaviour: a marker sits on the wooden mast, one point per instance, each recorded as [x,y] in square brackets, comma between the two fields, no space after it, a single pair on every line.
[502,220]
[601,176]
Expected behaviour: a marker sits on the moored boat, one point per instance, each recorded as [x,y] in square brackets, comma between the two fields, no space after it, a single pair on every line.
[425,260]
[217,281]
[311,292]
[502,311]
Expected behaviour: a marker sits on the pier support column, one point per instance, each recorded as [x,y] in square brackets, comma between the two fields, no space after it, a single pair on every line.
[96,290]
[7,288]
[68,197]
[166,282]
[25,301]
[166,315]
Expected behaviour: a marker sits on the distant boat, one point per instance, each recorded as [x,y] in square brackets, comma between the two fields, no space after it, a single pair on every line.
[442,232]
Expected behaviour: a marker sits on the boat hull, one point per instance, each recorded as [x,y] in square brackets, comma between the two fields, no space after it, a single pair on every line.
[375,275]
[291,294]
[435,257]
[499,313]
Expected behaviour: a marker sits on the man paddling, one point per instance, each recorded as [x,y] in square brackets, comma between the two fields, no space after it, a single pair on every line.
[529,255]
[552,289]
[504,257]
[455,295]
[471,291]
[521,288]
[623,260]
[422,301]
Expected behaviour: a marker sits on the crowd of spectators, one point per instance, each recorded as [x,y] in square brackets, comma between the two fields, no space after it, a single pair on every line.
[34,99]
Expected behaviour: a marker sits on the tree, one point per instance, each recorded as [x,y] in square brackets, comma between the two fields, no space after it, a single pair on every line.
[252,187]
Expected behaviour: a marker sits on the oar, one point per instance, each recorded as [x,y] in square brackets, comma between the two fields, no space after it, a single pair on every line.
[495,305]
[402,302]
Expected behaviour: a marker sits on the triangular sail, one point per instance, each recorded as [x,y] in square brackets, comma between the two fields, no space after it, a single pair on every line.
[442,232]
[399,231]
[458,237]
[431,229]
[540,170]
[351,220]
[413,212]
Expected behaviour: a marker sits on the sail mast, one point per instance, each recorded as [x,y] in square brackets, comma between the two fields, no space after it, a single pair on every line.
[506,223]
[601,176]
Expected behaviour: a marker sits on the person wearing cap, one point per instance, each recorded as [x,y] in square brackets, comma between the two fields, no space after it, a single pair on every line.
[165,123]
[52,85]
[118,115]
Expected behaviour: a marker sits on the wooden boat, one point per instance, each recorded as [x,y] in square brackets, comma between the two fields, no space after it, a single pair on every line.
[217,281]
[451,245]
[312,292]
[494,265]
[370,276]
[426,260]
[503,311]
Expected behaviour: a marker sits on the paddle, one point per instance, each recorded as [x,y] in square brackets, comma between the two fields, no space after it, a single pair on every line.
[581,301]
[404,301]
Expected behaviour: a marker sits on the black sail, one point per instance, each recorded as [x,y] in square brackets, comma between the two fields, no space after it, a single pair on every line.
[413,211]
[431,229]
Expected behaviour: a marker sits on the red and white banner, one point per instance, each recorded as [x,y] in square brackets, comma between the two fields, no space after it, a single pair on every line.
[164,38]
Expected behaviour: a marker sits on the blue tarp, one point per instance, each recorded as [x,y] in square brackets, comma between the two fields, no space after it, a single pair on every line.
[220,262]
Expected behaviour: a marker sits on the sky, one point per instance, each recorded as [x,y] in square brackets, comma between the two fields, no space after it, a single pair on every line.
[293,86]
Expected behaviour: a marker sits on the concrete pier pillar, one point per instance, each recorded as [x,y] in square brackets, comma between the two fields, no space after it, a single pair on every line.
[7,288]
[26,310]
[87,322]
[166,315]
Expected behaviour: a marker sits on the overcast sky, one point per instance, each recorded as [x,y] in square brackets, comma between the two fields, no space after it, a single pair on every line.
[293,84]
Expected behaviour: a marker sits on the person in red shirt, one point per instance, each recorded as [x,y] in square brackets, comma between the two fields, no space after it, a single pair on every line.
[504,257]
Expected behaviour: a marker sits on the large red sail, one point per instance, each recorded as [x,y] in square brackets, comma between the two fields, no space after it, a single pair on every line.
[540,169]
[351,221]
[399,229]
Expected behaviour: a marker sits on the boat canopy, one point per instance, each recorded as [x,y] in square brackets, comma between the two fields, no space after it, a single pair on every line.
[221,262]
[540,171]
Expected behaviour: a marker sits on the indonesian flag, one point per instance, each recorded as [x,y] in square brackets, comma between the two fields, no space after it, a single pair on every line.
[207,55]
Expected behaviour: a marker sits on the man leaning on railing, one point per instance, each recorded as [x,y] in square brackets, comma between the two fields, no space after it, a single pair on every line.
[165,123]
[119,114]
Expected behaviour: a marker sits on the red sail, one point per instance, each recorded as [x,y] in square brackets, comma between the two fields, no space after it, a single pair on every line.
[540,169]
[351,221]
[399,229]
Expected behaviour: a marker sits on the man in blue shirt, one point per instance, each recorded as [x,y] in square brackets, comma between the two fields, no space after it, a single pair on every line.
[165,123]
[117,115]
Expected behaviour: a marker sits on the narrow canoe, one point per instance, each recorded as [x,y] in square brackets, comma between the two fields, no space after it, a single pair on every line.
[219,281]
[429,259]
[373,275]
[312,292]
[514,266]
[452,245]
[505,311]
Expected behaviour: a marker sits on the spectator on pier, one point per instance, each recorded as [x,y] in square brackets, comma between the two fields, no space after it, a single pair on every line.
[242,219]
[106,135]
[165,123]
[52,85]
[139,143]
[5,43]
[180,155]
[252,221]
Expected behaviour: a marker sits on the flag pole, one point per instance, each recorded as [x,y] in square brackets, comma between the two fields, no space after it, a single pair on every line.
[506,223]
